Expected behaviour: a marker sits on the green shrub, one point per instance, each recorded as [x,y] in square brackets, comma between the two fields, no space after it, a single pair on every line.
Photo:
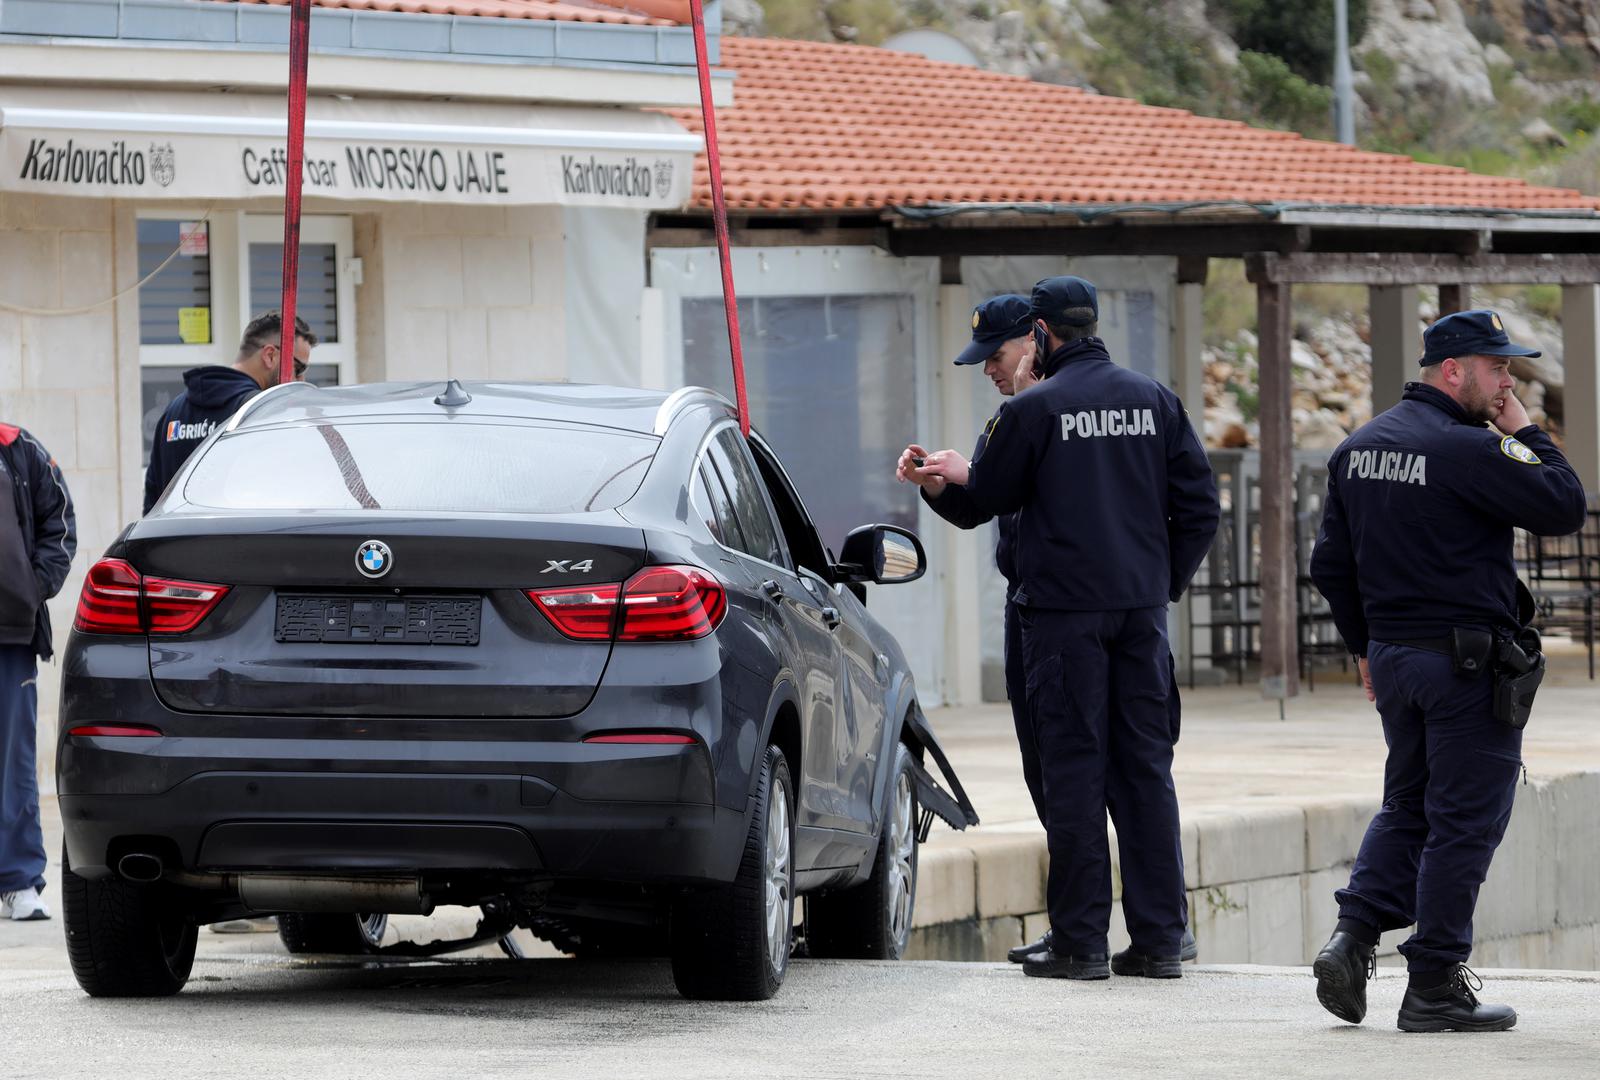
[1282,99]
[1301,33]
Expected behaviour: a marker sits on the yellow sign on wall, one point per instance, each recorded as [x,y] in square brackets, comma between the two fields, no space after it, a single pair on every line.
[194,325]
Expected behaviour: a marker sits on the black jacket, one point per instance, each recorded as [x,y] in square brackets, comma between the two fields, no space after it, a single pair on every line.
[956,506]
[1117,504]
[211,395]
[1417,528]
[37,544]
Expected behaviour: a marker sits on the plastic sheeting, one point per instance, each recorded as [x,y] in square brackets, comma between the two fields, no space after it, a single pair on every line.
[605,279]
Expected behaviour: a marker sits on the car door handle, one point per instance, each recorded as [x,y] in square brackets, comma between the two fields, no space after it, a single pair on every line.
[831,617]
[772,589]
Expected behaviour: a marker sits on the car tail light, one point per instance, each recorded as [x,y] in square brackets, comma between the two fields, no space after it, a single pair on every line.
[659,603]
[644,738]
[134,730]
[117,600]
[671,603]
[584,613]
[109,602]
[176,607]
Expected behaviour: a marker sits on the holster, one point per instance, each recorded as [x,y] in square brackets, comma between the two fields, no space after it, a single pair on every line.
[1518,671]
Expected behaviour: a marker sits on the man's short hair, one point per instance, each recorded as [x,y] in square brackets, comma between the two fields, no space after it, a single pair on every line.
[1066,331]
[267,329]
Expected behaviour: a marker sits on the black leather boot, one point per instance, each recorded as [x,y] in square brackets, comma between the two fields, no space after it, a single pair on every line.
[1033,948]
[1453,1007]
[1052,965]
[1342,969]
[1135,961]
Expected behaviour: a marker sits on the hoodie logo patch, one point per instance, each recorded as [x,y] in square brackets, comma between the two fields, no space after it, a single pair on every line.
[180,432]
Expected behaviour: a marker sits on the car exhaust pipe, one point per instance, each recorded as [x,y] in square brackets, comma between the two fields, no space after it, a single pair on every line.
[141,867]
[393,896]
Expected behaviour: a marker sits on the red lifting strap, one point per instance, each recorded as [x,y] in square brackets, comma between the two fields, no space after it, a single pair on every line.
[719,213]
[299,49]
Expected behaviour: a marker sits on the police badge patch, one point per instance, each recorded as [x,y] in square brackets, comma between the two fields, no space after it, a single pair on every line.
[1514,450]
[976,319]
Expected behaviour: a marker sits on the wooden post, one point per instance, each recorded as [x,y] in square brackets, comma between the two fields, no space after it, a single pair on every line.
[1395,342]
[1454,298]
[1280,660]
[1580,332]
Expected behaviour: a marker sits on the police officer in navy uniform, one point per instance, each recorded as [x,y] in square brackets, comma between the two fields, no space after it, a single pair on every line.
[1003,342]
[1116,509]
[1414,556]
[213,393]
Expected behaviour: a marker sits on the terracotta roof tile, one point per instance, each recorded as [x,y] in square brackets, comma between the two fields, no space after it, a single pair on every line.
[841,126]
[635,13]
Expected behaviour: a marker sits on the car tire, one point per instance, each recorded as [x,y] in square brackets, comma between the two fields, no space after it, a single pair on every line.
[872,920]
[732,943]
[126,940]
[345,935]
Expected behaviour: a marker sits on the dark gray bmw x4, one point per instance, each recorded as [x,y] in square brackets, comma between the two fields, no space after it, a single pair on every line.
[575,655]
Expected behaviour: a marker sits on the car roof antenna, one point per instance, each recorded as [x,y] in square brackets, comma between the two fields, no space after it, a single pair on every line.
[454,395]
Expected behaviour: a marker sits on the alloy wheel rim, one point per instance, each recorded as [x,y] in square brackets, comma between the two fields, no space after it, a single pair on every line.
[778,886]
[373,925]
[902,874]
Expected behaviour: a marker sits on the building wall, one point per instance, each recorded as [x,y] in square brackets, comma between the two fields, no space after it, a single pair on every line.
[61,376]
[462,292]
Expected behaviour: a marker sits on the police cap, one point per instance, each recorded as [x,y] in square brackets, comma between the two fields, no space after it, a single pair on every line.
[1055,296]
[1468,333]
[995,322]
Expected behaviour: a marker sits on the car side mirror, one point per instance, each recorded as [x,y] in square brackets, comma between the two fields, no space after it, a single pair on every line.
[883,554]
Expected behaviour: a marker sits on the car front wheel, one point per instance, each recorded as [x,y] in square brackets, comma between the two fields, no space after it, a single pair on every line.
[125,940]
[732,943]
[872,921]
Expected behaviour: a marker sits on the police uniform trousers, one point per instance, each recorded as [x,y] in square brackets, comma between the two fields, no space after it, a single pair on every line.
[1101,700]
[1017,694]
[1448,787]
[22,857]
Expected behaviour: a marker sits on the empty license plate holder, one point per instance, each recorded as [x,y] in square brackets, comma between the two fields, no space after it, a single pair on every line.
[379,620]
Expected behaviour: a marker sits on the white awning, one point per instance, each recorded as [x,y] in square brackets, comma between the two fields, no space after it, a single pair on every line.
[194,147]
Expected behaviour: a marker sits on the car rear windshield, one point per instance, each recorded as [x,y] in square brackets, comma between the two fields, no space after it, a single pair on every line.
[449,467]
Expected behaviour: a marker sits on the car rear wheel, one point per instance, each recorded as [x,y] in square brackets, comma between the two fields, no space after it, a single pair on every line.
[732,943]
[872,921]
[126,940]
[349,935]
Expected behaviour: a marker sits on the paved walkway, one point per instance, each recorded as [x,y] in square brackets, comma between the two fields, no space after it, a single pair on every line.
[1235,754]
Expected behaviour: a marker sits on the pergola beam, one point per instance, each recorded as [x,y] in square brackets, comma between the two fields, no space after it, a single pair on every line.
[1369,268]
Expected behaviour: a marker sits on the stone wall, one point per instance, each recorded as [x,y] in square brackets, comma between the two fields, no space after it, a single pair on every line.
[1261,885]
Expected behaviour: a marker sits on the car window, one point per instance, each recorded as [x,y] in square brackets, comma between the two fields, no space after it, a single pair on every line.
[805,546]
[749,503]
[429,466]
[700,499]
[717,511]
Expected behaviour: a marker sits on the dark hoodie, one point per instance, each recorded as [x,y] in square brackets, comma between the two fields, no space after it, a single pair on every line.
[211,395]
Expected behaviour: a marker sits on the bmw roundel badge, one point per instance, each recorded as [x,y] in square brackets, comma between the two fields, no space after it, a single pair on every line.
[374,559]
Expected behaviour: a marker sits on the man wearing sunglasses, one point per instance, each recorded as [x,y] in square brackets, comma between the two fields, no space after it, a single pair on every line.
[213,393]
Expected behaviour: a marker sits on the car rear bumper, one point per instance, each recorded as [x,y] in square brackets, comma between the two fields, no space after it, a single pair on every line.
[567,810]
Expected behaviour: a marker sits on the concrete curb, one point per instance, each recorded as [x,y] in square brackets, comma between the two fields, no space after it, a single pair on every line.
[1261,881]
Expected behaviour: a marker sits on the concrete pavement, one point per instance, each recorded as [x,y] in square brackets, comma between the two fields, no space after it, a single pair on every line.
[268,1017]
